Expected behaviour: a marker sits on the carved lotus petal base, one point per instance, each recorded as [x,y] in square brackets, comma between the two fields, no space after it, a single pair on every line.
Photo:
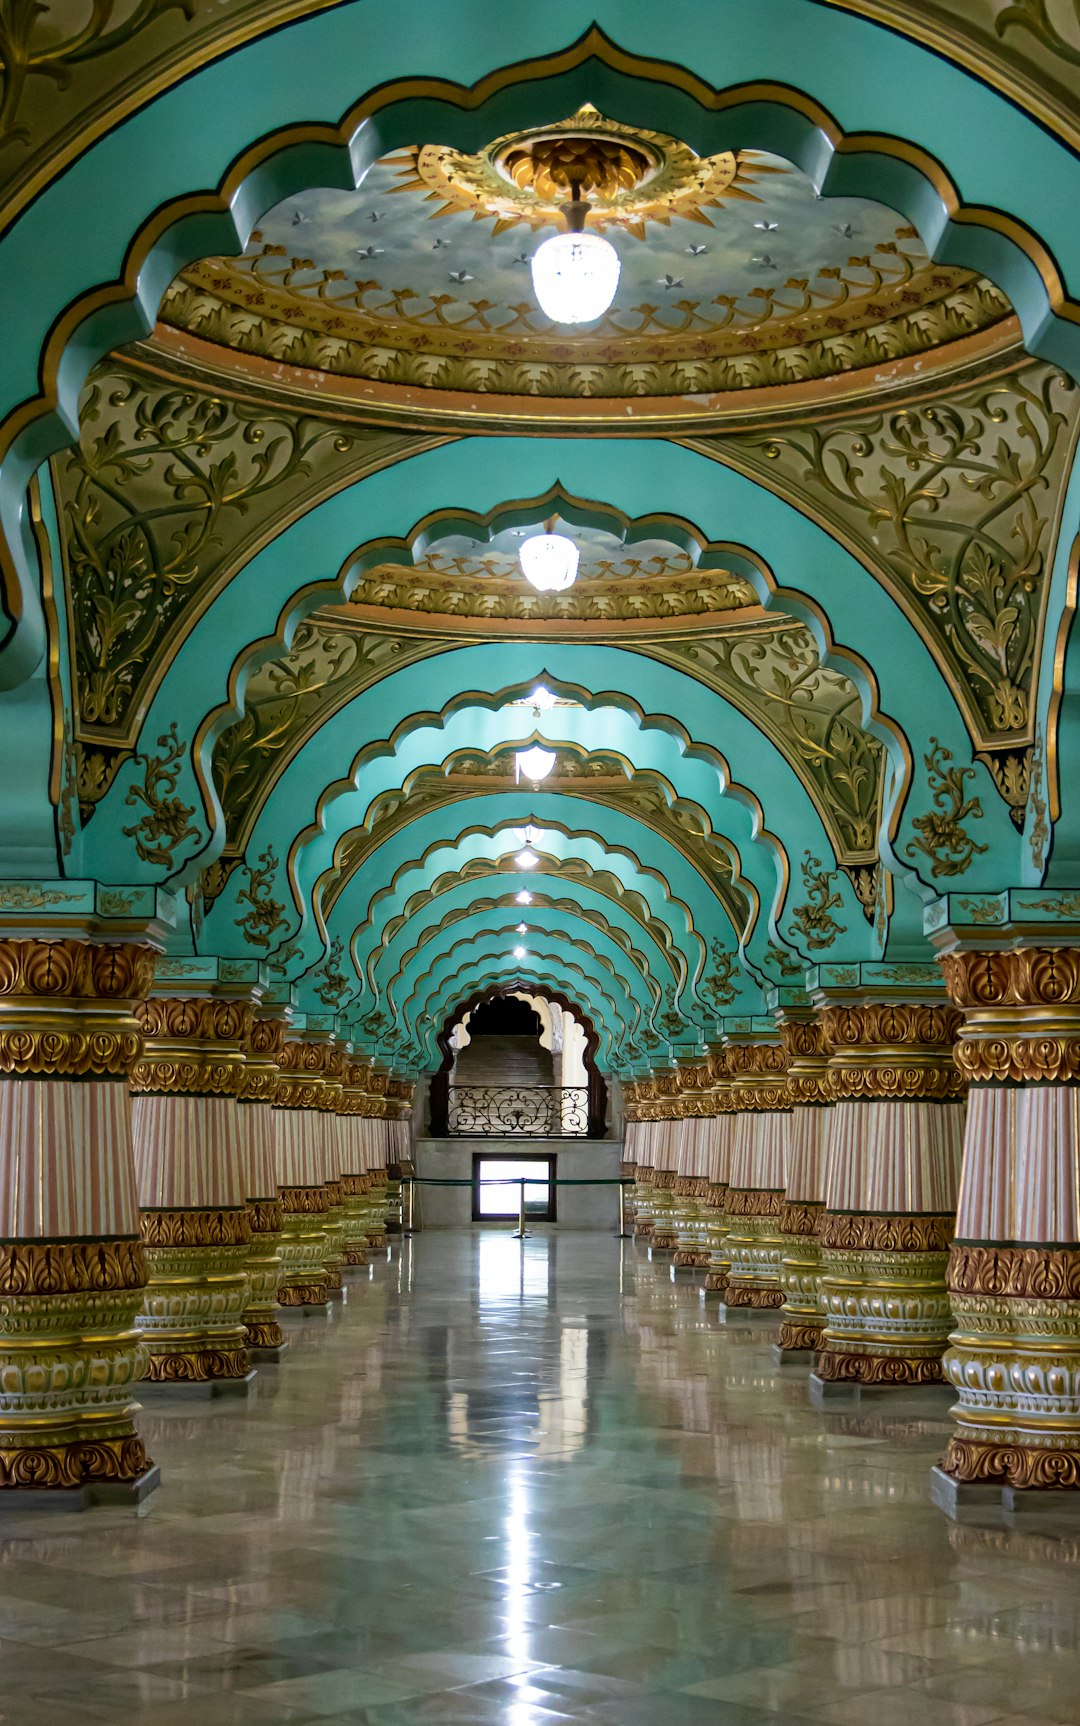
[661,1242]
[716,1281]
[264,1333]
[303,1294]
[1003,1461]
[198,1365]
[837,1367]
[799,1337]
[355,1256]
[80,1462]
[753,1295]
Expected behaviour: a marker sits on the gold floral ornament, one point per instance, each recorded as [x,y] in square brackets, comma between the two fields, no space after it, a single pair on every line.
[265,914]
[814,918]
[165,824]
[1038,827]
[331,982]
[521,180]
[941,834]
[719,987]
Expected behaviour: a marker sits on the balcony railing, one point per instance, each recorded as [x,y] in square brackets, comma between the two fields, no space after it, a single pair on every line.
[518,1111]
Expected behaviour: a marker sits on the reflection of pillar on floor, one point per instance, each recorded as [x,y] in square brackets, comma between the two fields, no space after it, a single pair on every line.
[298,1138]
[191,1181]
[801,1318]
[631,1140]
[721,1134]
[1014,1271]
[895,1142]
[255,1114]
[72,1265]
[354,1181]
[756,1179]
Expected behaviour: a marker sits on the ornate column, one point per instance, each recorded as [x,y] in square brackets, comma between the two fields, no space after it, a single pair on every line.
[690,1172]
[377,1147]
[801,1319]
[631,1140]
[892,1172]
[1014,1269]
[354,1179]
[300,1158]
[190,1173]
[721,1137]
[327,1102]
[72,1264]
[662,1235]
[255,1115]
[645,1172]
[756,1182]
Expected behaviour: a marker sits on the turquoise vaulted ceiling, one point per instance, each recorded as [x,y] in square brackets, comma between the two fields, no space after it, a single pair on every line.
[278,409]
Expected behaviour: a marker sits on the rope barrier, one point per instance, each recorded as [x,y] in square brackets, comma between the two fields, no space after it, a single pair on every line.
[521,1182]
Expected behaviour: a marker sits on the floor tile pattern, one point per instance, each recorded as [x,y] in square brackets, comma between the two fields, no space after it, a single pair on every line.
[528,1486]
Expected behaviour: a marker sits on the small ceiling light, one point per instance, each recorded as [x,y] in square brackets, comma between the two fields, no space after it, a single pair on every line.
[524,897]
[542,699]
[526,859]
[523,929]
[534,763]
[519,952]
[549,561]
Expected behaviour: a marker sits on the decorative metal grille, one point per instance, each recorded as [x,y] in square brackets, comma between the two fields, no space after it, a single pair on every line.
[528,1111]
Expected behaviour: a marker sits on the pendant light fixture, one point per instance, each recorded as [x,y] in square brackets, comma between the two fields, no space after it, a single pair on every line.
[535,763]
[549,561]
[575,276]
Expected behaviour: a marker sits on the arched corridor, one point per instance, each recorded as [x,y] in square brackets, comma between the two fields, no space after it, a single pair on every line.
[538,573]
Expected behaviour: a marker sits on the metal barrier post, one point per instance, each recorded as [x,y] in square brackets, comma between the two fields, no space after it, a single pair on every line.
[410,1191]
[521,1233]
[622,1234]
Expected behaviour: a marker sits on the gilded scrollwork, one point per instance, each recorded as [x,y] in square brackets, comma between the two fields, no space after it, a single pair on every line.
[721,985]
[940,833]
[951,503]
[331,982]
[265,915]
[814,918]
[166,823]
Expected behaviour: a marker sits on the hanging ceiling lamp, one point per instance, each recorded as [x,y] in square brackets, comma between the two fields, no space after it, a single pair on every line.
[526,859]
[549,561]
[523,898]
[519,952]
[535,763]
[575,275]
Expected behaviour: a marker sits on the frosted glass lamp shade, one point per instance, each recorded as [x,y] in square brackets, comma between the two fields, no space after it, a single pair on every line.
[549,561]
[575,277]
[519,952]
[526,859]
[534,763]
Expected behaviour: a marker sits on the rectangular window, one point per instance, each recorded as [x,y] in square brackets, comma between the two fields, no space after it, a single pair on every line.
[497,1188]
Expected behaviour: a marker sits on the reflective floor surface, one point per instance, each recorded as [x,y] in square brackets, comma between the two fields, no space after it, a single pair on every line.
[528,1487]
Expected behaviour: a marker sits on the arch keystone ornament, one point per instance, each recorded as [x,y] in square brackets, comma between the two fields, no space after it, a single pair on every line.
[891,1175]
[1014,1267]
[73,1268]
[190,1168]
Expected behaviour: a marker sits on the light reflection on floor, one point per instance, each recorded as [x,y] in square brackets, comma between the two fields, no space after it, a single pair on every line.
[490,1490]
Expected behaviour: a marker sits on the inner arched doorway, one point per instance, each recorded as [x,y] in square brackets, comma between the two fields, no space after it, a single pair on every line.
[534,1046]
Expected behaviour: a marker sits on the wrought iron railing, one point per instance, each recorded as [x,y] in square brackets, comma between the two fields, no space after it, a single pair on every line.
[518,1111]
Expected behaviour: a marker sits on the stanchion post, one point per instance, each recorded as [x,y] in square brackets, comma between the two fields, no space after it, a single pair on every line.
[521,1233]
[409,1206]
[622,1234]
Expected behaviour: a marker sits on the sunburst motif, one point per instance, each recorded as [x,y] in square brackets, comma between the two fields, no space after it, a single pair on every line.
[680,184]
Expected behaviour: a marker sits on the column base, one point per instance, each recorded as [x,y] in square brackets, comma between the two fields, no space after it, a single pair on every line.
[849,1393]
[354,1258]
[269,1356]
[784,1356]
[264,1335]
[86,1497]
[754,1297]
[881,1371]
[197,1366]
[958,1497]
[800,1337]
[336,1291]
[716,1282]
[311,1295]
[1011,1465]
[211,1387]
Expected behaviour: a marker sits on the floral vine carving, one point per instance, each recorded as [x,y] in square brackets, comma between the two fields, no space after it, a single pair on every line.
[265,914]
[720,988]
[941,834]
[1039,827]
[165,824]
[331,982]
[1034,17]
[32,45]
[954,503]
[814,918]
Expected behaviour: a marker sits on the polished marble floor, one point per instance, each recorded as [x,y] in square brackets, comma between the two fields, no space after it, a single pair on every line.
[528,1487]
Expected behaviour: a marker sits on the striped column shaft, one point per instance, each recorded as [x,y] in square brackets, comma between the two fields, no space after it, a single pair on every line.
[329,1134]
[756,1181]
[354,1181]
[1014,1268]
[190,1166]
[255,1116]
[645,1171]
[378,1148]
[718,1151]
[301,1169]
[802,1321]
[895,1141]
[662,1237]
[72,1264]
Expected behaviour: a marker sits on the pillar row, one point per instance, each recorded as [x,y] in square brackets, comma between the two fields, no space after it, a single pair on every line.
[192,1180]
[300,1158]
[691,1178]
[720,1140]
[355,1182]
[72,1264]
[895,1142]
[1014,1268]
